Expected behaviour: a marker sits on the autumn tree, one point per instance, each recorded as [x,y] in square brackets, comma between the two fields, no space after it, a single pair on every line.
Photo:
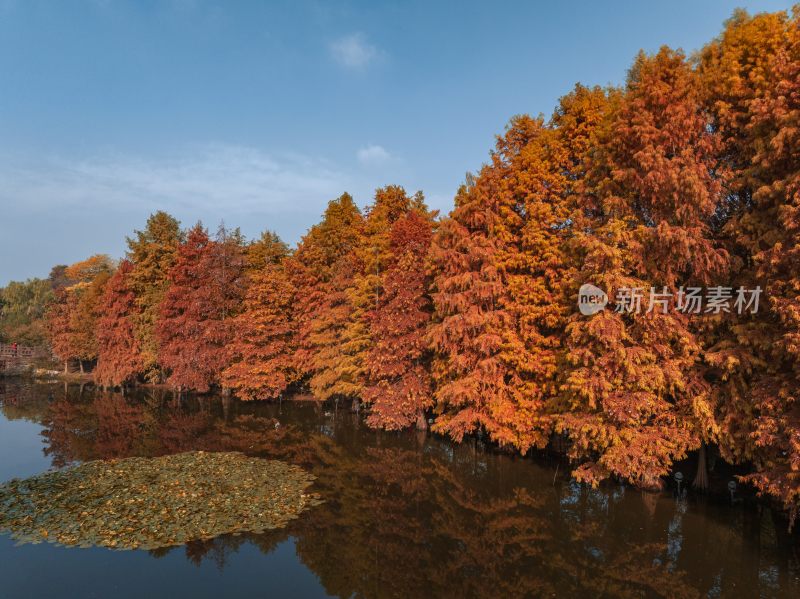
[88,270]
[501,277]
[265,251]
[750,74]
[119,355]
[195,325]
[399,389]
[472,391]
[322,271]
[539,167]
[152,252]
[735,70]
[72,317]
[85,317]
[370,258]
[263,344]
[777,430]
[59,326]
[637,399]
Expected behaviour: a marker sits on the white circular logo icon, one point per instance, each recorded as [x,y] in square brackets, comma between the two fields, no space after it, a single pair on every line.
[591,299]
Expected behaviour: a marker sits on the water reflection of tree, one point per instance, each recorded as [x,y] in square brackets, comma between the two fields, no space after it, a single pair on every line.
[411,515]
[20,401]
[410,523]
[105,425]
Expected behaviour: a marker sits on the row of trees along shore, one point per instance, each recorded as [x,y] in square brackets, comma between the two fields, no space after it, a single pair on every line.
[687,175]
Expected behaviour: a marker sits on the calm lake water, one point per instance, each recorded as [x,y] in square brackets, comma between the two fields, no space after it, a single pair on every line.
[405,514]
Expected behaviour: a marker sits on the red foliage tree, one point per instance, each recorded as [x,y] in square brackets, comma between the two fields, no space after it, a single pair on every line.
[194,329]
[369,260]
[59,326]
[399,389]
[119,354]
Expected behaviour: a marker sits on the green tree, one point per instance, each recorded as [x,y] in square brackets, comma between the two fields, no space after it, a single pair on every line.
[22,311]
[152,252]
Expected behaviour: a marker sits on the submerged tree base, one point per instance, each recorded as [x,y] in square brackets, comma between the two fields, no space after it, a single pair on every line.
[149,503]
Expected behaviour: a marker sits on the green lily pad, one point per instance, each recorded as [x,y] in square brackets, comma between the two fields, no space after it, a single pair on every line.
[149,503]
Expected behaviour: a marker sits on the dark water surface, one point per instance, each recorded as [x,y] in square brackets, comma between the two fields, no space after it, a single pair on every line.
[405,515]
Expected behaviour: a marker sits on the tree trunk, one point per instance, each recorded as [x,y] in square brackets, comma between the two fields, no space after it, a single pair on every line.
[422,424]
[80,362]
[226,407]
[701,478]
[66,366]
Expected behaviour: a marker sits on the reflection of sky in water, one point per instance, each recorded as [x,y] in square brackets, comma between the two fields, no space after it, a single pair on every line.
[45,571]
[21,452]
[769,577]
[716,589]
[674,534]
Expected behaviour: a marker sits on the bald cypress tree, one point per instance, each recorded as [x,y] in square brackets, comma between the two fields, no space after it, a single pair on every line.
[399,389]
[637,398]
[196,315]
[322,271]
[264,333]
[750,75]
[152,252]
[119,358]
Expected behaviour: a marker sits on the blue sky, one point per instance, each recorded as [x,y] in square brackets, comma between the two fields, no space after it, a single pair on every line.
[258,113]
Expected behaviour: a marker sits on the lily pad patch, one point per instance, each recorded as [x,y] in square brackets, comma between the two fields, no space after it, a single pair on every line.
[149,503]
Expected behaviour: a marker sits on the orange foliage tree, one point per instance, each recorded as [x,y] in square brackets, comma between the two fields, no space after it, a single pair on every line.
[751,75]
[263,344]
[471,389]
[636,397]
[322,271]
[777,427]
[369,260]
[72,317]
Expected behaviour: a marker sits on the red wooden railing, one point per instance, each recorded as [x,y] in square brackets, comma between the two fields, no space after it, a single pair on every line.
[7,350]
[13,358]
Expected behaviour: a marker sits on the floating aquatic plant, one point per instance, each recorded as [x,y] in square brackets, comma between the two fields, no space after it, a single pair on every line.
[148,503]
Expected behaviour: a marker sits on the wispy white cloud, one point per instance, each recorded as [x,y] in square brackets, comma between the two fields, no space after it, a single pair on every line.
[373,155]
[205,178]
[354,52]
